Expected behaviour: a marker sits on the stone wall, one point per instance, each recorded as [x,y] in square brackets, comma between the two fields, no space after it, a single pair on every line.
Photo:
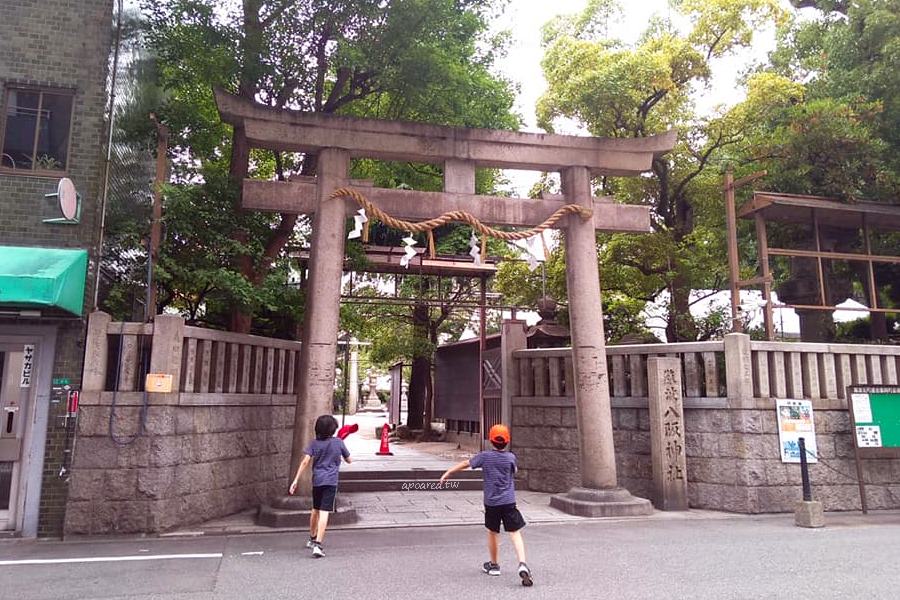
[733,462]
[194,463]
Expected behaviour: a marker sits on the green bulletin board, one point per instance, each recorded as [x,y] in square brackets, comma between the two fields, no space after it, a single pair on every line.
[875,415]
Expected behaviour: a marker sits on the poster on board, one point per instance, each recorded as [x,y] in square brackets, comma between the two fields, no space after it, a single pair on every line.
[795,421]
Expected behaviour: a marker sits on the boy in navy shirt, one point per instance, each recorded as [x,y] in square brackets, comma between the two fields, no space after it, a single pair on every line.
[499,467]
[325,452]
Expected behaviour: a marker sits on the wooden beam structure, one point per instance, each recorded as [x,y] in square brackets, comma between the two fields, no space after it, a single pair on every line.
[816,212]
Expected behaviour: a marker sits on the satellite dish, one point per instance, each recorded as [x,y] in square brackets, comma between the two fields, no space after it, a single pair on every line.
[68,198]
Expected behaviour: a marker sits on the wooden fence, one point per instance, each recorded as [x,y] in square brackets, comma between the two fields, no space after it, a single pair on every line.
[714,372]
[208,366]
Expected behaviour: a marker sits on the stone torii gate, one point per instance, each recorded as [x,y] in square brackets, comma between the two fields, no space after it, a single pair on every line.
[336,140]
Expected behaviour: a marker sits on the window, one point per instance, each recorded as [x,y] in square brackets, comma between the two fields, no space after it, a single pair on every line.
[36,132]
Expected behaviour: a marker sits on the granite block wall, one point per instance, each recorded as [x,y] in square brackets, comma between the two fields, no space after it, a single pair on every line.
[733,460]
[193,464]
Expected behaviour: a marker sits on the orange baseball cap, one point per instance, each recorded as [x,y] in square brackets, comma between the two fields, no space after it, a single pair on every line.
[499,433]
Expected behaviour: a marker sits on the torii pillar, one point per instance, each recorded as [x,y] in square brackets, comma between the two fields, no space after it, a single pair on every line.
[460,151]
[323,302]
[600,495]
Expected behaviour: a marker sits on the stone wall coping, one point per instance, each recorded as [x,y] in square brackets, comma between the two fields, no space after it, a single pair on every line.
[660,348]
[880,350]
[213,399]
[89,398]
[617,402]
[697,403]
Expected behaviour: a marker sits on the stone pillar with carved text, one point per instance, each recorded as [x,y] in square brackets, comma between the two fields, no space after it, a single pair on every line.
[322,316]
[667,445]
[599,494]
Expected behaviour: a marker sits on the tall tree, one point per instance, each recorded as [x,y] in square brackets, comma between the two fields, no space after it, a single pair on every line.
[620,90]
[328,56]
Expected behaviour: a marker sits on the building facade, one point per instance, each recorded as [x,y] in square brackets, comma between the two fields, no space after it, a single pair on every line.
[54,58]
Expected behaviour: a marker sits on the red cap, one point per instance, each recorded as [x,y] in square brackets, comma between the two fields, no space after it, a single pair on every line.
[347,430]
[499,433]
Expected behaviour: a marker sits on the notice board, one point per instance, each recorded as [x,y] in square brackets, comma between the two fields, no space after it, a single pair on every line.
[875,421]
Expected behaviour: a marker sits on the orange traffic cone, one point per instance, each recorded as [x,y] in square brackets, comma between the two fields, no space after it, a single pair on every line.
[384,450]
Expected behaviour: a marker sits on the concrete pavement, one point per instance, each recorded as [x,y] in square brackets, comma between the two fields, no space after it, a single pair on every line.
[412,508]
[738,557]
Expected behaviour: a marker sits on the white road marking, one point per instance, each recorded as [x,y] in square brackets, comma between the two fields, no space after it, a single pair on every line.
[251,553]
[97,559]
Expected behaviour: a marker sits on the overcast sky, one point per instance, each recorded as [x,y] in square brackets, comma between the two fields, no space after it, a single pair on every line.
[524,19]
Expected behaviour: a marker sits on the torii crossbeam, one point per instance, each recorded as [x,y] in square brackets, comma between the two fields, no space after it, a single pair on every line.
[338,139]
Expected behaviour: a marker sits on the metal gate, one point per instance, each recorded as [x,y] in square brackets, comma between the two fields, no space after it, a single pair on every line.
[491,388]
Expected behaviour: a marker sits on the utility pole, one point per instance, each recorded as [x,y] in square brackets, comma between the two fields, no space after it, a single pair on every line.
[162,147]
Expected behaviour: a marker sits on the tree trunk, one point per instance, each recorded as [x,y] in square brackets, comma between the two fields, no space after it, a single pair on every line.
[429,382]
[418,390]
[816,325]
[421,371]
[680,324]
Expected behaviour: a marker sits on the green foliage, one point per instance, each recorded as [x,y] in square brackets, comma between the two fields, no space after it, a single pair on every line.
[827,147]
[721,26]
[199,246]
[424,60]
[848,131]
[619,90]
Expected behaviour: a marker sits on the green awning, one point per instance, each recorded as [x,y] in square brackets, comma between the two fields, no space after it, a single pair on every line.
[43,278]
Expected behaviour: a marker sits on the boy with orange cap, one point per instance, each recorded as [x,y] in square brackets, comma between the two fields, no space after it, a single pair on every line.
[499,467]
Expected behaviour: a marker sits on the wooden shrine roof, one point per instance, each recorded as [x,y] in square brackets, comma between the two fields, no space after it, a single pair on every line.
[794,208]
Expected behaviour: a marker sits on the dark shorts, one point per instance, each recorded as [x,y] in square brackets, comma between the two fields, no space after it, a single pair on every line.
[323,497]
[508,514]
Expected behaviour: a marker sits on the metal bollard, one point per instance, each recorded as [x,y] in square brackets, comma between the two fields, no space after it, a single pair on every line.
[807,513]
[804,471]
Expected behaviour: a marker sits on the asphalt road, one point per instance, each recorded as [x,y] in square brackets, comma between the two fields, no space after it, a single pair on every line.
[764,557]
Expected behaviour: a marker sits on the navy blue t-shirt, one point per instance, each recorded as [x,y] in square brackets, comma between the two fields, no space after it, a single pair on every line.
[499,467]
[326,455]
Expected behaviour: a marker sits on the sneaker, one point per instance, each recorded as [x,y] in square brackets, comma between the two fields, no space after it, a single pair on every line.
[318,551]
[490,568]
[525,575]
[310,542]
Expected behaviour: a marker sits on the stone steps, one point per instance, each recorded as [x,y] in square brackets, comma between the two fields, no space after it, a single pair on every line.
[293,511]
[413,474]
[406,485]
[408,480]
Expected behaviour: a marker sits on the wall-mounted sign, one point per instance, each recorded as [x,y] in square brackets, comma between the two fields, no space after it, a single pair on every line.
[795,421]
[27,365]
[69,201]
[158,383]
